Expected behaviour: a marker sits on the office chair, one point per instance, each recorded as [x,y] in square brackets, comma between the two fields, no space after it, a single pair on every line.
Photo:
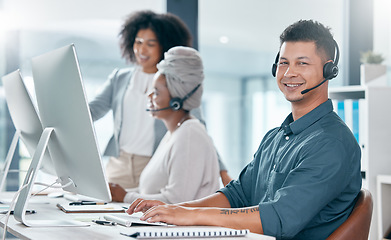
[358,223]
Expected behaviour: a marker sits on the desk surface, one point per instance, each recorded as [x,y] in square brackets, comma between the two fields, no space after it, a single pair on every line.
[47,210]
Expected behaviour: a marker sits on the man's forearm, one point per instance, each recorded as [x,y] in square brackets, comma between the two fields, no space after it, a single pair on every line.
[237,218]
[215,210]
[218,200]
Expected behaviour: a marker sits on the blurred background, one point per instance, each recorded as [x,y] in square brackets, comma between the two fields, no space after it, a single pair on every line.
[238,41]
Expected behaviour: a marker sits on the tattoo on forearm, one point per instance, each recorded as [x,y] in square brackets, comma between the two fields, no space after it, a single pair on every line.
[235,211]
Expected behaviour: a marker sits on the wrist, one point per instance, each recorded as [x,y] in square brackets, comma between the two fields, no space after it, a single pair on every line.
[199,216]
[205,216]
[127,197]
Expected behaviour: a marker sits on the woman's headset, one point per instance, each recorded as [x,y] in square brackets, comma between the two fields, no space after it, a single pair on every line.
[177,103]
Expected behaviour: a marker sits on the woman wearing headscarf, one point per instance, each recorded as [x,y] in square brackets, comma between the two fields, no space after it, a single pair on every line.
[185,165]
[144,38]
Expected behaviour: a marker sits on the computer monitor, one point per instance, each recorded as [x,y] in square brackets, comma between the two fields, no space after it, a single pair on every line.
[68,132]
[26,121]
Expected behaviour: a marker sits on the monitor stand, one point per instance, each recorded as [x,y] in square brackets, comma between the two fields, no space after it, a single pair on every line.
[24,196]
[8,159]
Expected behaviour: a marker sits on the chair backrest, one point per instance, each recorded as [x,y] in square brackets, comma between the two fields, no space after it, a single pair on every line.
[357,225]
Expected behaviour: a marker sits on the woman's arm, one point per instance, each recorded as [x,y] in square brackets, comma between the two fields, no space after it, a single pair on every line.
[101,103]
[225,177]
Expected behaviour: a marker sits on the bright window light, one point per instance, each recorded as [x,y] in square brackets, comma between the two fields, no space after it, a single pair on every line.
[224,39]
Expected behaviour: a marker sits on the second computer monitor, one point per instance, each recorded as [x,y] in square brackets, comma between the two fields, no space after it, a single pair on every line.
[25,119]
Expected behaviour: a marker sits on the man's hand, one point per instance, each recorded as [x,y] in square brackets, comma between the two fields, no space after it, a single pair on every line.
[141,205]
[117,192]
[172,214]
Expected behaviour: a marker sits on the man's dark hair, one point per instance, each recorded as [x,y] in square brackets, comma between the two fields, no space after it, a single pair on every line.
[311,31]
[169,29]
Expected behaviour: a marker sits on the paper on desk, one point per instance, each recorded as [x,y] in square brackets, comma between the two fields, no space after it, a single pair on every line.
[107,208]
[31,200]
[77,197]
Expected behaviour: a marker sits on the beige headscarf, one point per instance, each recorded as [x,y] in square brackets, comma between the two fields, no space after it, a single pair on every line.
[184,71]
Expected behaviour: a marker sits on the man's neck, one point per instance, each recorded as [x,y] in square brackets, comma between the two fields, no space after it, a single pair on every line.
[301,108]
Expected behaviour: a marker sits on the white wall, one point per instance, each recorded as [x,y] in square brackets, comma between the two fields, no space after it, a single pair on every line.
[382,32]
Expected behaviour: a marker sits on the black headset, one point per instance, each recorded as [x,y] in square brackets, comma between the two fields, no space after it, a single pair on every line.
[177,103]
[330,69]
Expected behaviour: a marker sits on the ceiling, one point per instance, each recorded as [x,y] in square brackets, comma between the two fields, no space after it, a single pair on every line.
[250,27]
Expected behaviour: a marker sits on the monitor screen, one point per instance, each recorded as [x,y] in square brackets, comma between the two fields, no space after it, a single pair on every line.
[25,119]
[62,105]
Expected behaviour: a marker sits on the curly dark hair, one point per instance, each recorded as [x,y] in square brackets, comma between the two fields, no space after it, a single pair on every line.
[310,30]
[170,31]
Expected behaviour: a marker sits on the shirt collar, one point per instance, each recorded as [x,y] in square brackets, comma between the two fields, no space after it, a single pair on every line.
[290,126]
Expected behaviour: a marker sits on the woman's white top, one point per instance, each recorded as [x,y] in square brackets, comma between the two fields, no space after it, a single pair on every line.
[184,167]
[137,135]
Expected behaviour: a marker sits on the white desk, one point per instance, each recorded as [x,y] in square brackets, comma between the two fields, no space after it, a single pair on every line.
[94,231]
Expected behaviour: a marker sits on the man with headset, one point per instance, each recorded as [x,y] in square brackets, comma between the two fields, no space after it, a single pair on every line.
[305,176]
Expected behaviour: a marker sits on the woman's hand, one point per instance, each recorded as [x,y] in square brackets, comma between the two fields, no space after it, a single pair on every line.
[141,205]
[117,192]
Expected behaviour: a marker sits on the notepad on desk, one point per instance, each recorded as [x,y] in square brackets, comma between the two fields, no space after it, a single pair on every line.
[131,220]
[183,232]
[107,208]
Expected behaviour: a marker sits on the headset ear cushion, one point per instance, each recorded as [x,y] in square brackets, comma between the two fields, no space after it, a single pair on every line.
[330,70]
[175,104]
[274,69]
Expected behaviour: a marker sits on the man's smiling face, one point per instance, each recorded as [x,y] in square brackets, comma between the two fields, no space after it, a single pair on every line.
[300,67]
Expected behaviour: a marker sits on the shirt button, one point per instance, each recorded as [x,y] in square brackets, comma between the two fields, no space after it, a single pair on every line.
[287,138]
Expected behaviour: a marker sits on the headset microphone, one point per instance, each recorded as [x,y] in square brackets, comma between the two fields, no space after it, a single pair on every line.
[310,89]
[156,110]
